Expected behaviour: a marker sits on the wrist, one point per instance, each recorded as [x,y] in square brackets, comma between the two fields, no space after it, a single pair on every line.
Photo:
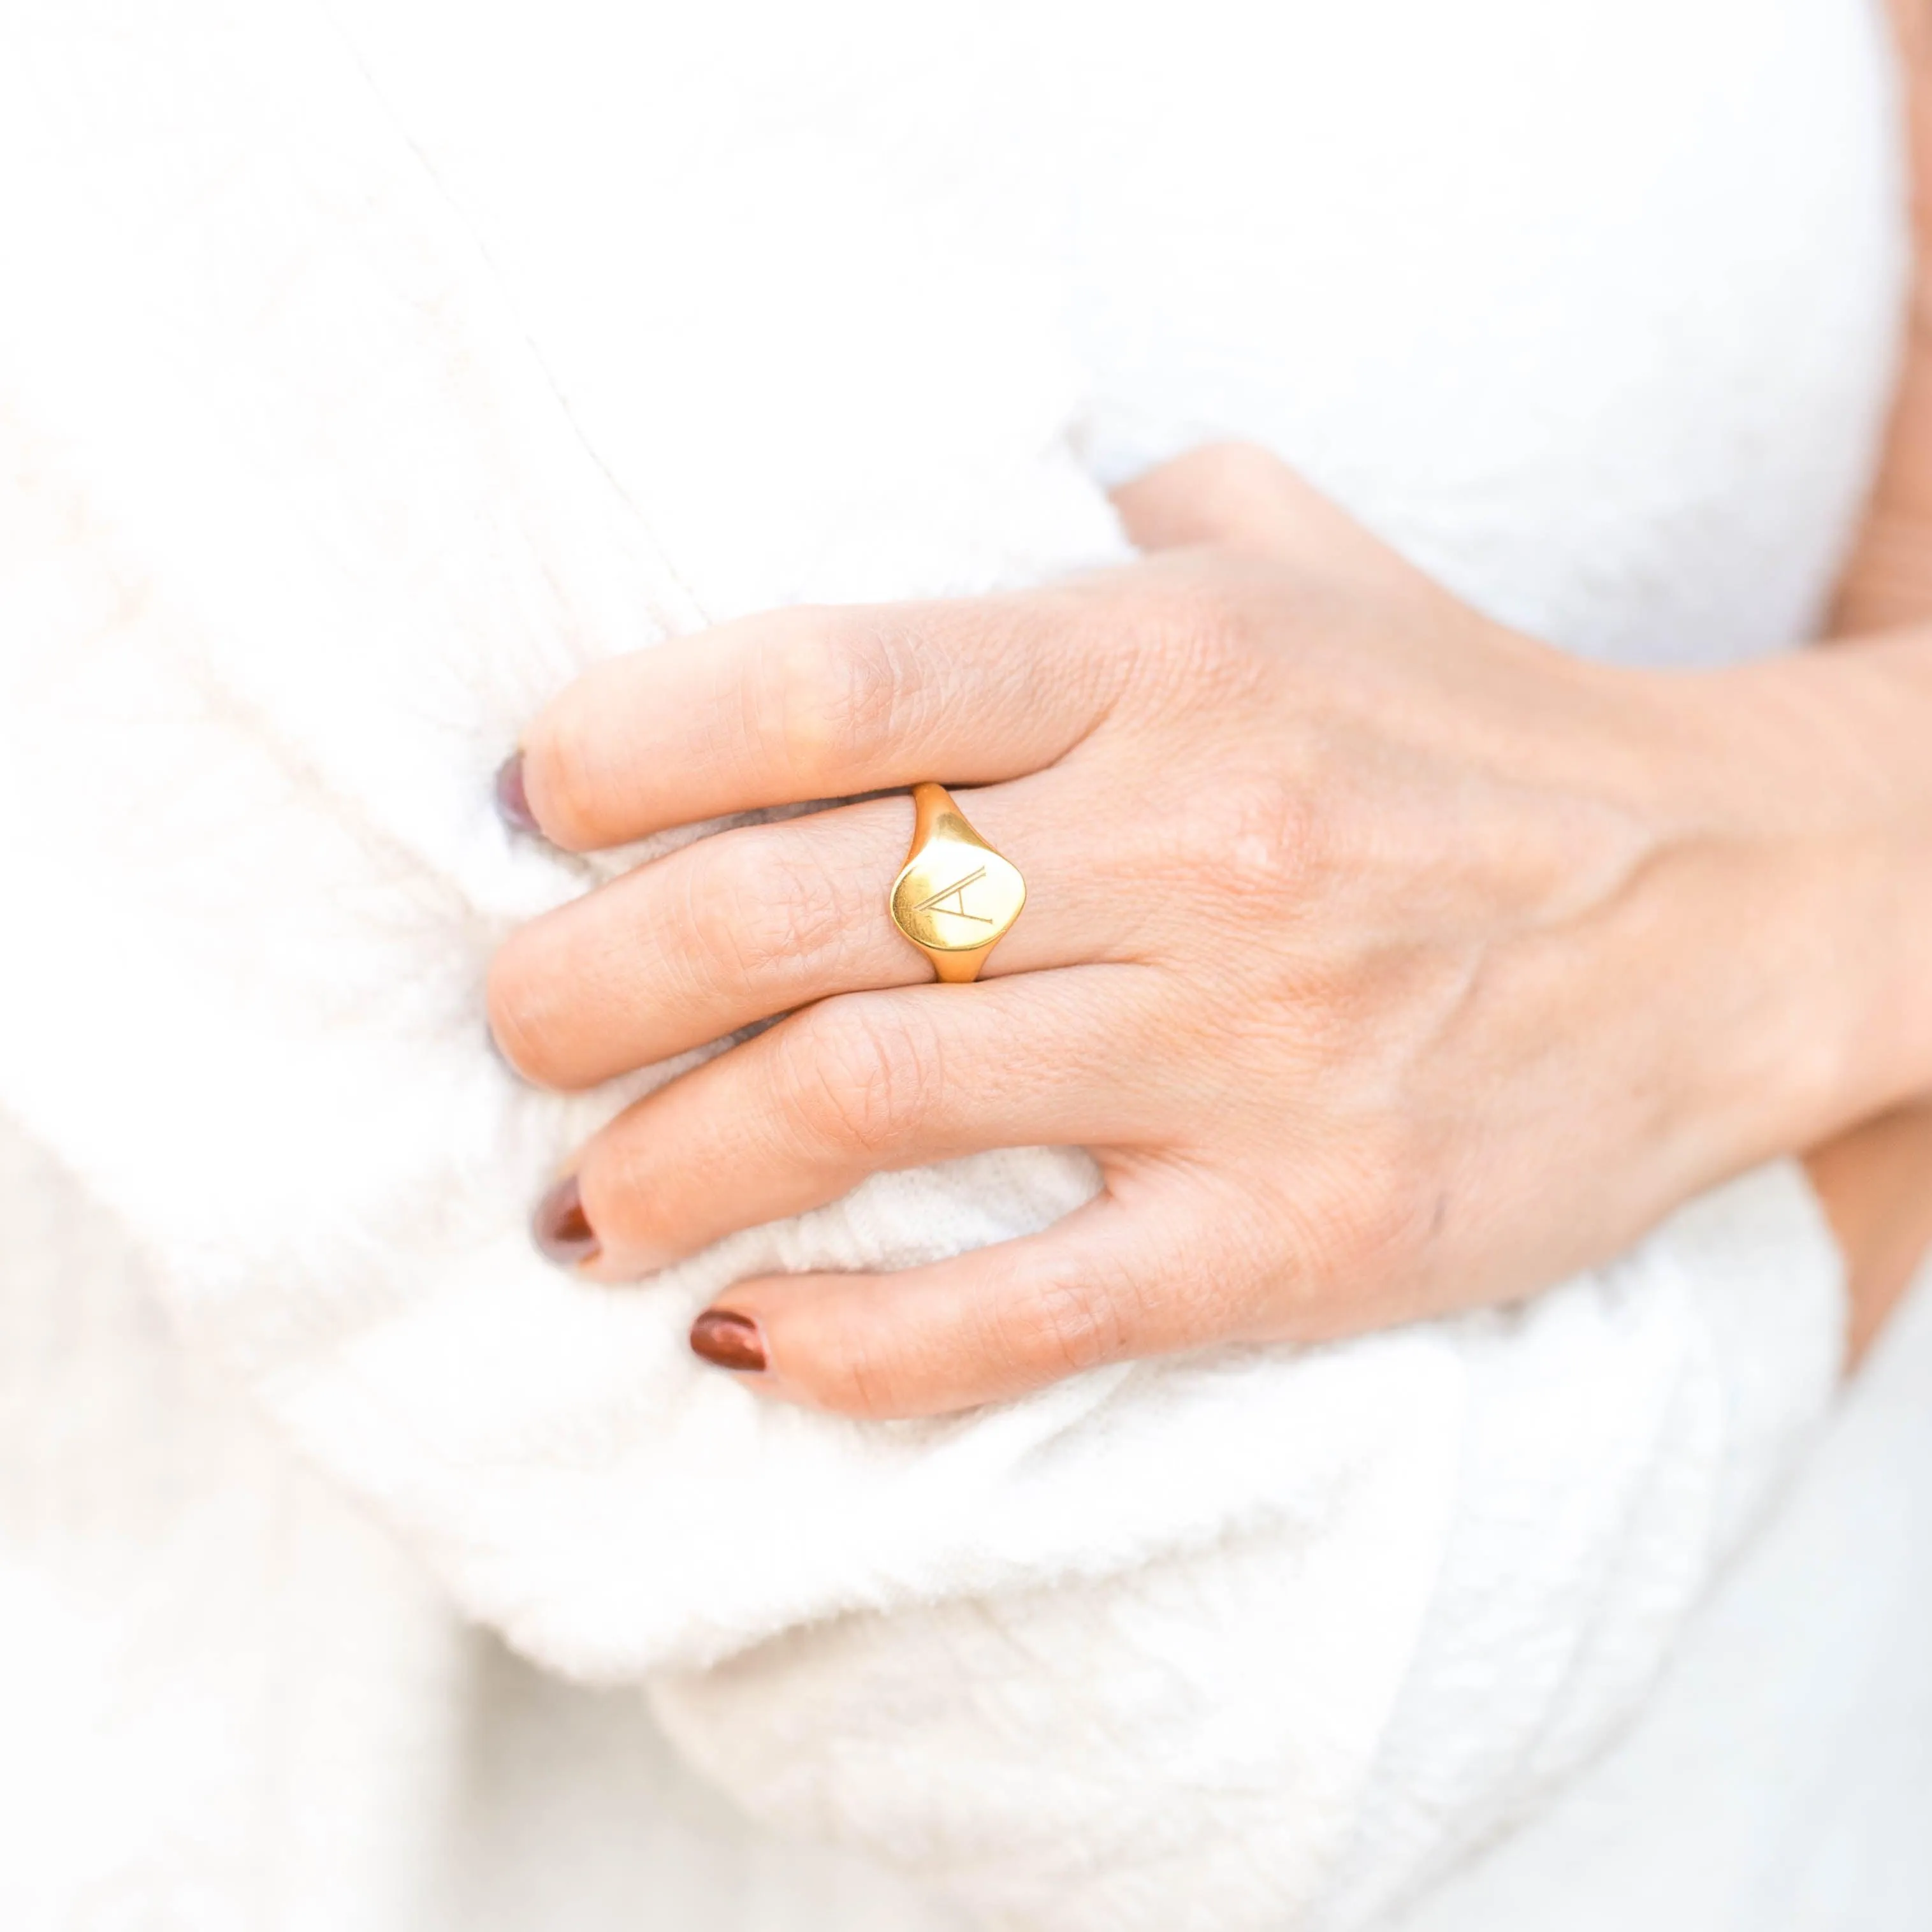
[1816,770]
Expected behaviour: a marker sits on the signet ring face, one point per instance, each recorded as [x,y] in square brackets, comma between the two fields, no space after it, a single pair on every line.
[955,897]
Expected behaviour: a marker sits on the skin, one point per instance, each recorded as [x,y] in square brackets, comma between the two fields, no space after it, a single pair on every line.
[1875,1182]
[1382,956]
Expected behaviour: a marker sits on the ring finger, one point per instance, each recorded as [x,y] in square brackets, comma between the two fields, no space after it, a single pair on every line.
[763,918]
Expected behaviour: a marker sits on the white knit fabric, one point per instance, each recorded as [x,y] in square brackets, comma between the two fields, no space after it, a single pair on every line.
[367,383]
[232,1703]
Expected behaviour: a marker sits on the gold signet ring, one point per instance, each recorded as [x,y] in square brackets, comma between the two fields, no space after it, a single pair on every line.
[955,898]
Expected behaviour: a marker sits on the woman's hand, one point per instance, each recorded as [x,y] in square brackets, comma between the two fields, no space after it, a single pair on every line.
[1386,959]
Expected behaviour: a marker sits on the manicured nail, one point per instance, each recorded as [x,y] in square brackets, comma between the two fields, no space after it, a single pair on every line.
[513,802]
[562,1229]
[728,1341]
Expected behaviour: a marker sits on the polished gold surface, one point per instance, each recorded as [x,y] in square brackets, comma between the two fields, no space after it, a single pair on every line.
[955,898]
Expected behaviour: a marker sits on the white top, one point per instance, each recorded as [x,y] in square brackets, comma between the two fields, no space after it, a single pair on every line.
[1590,308]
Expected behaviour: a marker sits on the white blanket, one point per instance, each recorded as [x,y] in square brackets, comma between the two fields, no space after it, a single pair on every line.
[296,530]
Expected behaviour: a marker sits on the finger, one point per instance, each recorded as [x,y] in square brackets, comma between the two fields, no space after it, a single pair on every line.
[763,918]
[1234,497]
[813,703]
[1113,1280]
[801,1113]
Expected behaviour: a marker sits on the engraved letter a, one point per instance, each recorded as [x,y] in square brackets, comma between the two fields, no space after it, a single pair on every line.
[957,893]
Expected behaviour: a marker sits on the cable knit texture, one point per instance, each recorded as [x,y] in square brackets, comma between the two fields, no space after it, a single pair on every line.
[368,375]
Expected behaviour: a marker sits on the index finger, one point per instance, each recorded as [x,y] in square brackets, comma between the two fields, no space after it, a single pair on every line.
[811,703]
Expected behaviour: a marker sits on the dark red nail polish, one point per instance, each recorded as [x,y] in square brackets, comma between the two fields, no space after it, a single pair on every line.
[513,802]
[728,1341]
[562,1229]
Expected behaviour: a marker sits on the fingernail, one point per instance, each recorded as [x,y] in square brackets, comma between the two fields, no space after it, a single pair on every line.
[728,1341]
[513,802]
[562,1229]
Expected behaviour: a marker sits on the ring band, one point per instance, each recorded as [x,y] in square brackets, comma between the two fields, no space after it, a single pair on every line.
[955,897]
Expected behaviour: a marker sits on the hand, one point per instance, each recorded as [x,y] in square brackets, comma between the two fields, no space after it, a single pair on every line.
[1386,959]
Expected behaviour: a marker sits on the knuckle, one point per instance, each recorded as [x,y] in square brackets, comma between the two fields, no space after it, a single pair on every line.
[862,1074]
[1199,643]
[1233,638]
[1067,1317]
[1261,840]
[774,912]
[831,698]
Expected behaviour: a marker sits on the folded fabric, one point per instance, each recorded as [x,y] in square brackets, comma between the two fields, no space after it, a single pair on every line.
[295,531]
